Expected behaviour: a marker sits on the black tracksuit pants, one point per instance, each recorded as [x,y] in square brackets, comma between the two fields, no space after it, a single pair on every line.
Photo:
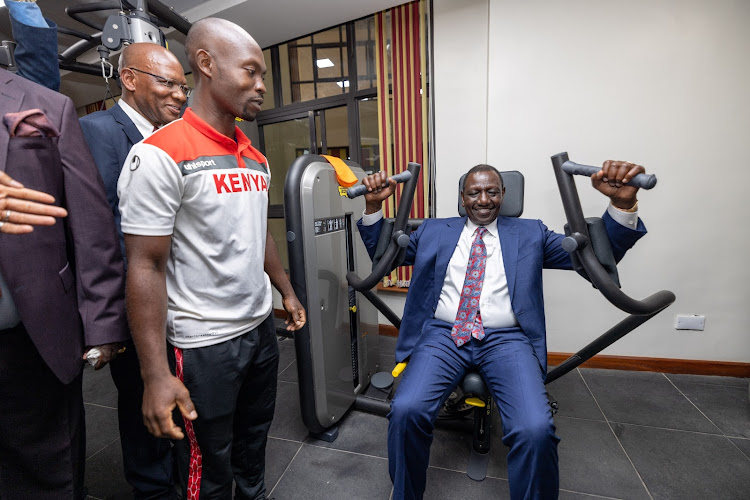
[233,387]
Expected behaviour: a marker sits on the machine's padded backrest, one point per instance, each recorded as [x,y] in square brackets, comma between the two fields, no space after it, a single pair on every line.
[513,200]
[512,207]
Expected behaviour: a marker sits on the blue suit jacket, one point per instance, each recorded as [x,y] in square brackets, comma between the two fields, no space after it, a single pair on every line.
[36,51]
[110,134]
[527,248]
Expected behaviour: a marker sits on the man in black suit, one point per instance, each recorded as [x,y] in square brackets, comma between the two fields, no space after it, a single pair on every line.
[153,91]
[61,291]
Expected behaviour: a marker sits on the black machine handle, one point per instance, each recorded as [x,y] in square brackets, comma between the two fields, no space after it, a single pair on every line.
[399,238]
[643,181]
[639,311]
[355,191]
[578,243]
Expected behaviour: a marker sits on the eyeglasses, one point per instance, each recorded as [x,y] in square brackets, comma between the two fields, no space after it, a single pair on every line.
[170,84]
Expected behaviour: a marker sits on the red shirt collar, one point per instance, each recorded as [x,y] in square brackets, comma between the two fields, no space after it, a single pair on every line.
[204,128]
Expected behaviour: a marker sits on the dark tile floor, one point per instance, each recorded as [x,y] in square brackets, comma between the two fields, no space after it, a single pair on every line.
[624,435]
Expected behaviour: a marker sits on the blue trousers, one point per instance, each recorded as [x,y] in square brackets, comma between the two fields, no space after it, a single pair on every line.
[506,361]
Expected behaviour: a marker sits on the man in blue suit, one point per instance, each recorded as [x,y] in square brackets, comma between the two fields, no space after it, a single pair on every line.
[475,302]
[153,92]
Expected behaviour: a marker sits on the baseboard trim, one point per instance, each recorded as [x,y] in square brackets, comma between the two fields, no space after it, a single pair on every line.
[388,330]
[636,363]
[661,365]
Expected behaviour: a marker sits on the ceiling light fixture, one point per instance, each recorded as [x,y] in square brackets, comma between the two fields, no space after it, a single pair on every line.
[325,63]
[344,84]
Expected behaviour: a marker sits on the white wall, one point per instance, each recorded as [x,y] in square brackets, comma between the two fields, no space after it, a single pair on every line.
[663,83]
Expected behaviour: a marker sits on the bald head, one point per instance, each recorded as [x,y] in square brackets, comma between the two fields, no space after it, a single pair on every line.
[151,77]
[218,37]
[139,55]
[228,69]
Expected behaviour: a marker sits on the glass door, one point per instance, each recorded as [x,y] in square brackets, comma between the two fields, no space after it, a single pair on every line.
[324,131]
[282,142]
[332,132]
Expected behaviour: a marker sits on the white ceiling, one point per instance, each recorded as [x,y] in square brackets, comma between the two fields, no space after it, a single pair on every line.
[276,21]
[270,22]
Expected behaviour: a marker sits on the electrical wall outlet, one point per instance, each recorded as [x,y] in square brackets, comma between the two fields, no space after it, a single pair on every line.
[689,322]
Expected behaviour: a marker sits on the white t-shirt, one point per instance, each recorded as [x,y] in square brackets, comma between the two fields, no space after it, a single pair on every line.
[211,194]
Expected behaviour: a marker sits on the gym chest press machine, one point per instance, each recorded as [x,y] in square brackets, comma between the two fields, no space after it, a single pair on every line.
[337,349]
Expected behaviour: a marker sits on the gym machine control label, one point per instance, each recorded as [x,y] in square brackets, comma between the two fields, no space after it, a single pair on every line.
[329,225]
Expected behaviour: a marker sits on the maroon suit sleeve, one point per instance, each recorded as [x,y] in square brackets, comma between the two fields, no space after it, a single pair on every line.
[100,278]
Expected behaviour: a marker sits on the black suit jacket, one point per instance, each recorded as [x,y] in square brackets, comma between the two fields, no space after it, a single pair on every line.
[67,280]
[110,134]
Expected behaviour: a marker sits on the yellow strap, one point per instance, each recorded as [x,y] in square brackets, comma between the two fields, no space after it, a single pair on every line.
[475,402]
[344,174]
[399,368]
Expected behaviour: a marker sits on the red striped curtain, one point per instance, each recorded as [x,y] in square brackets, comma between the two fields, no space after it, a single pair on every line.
[403,104]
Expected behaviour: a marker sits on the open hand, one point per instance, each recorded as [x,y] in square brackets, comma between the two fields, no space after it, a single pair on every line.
[22,208]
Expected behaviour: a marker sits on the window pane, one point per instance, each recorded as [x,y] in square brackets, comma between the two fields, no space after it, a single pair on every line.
[283,142]
[365,38]
[337,132]
[326,89]
[334,35]
[364,29]
[286,86]
[305,92]
[368,129]
[365,69]
[330,64]
[300,59]
[306,61]
[268,102]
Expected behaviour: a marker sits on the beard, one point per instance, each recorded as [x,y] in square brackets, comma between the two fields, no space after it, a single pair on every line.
[247,114]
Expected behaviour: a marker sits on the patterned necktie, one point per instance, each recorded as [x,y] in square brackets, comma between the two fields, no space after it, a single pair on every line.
[468,320]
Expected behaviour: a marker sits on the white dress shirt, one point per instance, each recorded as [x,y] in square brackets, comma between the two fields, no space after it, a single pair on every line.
[141,123]
[494,303]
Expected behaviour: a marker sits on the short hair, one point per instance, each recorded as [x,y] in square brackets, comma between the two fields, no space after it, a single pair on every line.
[482,167]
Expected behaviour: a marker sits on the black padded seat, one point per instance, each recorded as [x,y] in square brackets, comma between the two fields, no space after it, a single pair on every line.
[473,386]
